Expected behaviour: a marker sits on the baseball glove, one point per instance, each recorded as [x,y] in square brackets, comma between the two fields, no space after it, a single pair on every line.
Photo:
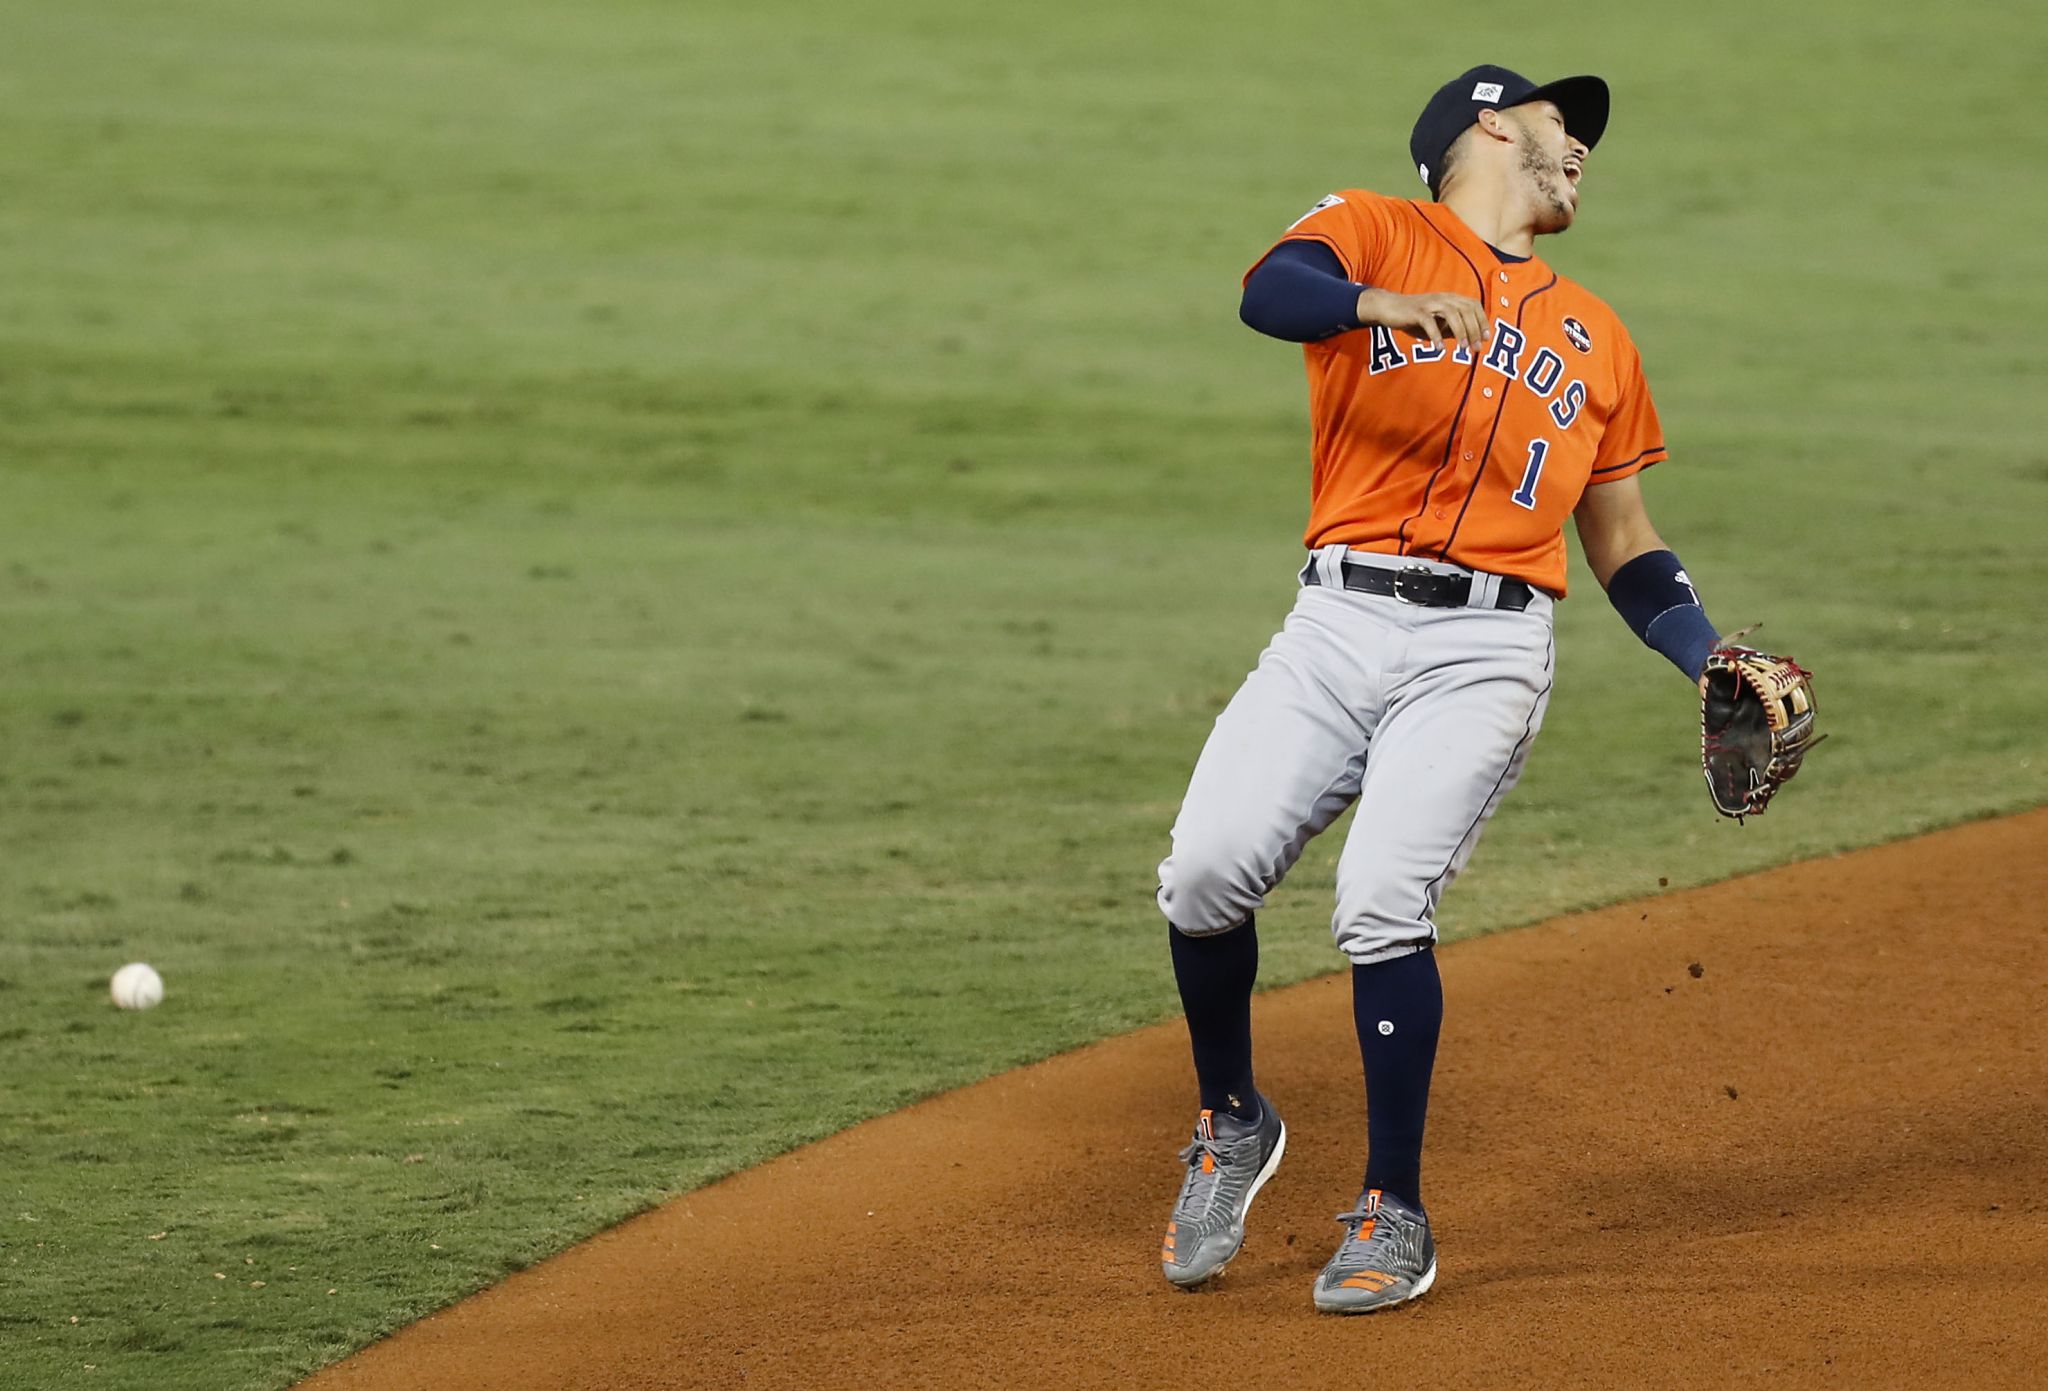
[1756,725]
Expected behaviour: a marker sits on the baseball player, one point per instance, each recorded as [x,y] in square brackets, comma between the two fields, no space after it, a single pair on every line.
[1465,399]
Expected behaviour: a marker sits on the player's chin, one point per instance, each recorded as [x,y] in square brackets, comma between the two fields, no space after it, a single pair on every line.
[1564,206]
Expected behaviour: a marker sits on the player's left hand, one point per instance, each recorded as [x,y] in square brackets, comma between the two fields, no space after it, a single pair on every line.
[1756,725]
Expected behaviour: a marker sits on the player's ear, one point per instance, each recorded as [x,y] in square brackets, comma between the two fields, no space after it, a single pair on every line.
[1495,125]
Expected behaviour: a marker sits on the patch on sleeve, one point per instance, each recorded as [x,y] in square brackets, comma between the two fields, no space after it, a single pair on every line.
[1330,202]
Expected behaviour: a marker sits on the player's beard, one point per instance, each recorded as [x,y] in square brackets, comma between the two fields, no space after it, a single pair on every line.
[1553,213]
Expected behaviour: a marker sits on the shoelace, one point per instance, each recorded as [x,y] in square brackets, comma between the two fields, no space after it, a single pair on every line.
[1202,1178]
[1381,1217]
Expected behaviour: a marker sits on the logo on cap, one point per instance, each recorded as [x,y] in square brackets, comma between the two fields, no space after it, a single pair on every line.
[1486,91]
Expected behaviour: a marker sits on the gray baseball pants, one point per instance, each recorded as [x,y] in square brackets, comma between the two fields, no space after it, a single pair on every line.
[1422,716]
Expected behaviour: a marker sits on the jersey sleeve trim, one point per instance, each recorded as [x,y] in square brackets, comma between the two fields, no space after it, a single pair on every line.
[1653,455]
[1350,271]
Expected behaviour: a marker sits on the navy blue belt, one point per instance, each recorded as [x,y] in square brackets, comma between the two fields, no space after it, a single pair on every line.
[1415,585]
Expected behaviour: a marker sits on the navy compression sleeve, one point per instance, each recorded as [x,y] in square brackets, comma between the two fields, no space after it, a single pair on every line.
[1300,293]
[1655,597]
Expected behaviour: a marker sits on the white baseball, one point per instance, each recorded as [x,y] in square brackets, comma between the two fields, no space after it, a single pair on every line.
[138,986]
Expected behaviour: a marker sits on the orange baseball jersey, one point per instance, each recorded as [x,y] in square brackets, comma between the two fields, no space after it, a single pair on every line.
[1476,457]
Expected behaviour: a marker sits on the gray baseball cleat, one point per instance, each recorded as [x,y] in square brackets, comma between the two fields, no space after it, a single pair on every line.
[1387,1257]
[1228,1163]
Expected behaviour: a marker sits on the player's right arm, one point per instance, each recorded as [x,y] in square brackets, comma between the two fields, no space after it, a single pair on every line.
[1300,294]
[1316,282]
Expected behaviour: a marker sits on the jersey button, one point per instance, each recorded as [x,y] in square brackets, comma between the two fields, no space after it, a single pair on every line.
[1486,391]
[1503,277]
[1439,514]
[1503,301]
[1468,455]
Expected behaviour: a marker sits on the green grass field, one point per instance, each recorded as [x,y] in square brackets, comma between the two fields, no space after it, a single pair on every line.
[607,590]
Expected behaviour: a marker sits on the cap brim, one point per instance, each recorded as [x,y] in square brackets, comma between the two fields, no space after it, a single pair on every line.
[1583,103]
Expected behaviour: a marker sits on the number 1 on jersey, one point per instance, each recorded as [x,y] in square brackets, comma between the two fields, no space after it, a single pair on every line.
[1525,496]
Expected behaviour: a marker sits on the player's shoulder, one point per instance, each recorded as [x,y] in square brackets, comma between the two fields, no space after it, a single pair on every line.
[1365,196]
[1349,213]
[1355,200]
[1365,200]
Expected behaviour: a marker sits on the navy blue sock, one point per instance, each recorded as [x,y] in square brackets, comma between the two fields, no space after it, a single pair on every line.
[1215,975]
[1399,1009]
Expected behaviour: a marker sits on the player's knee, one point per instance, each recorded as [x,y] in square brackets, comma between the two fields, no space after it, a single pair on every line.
[1204,893]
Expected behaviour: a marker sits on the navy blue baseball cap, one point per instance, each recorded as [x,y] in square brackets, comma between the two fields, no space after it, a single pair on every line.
[1457,104]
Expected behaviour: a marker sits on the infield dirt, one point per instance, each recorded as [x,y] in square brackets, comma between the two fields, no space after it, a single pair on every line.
[1788,1130]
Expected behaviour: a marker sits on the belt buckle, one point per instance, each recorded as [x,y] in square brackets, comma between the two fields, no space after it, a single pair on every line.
[1412,573]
